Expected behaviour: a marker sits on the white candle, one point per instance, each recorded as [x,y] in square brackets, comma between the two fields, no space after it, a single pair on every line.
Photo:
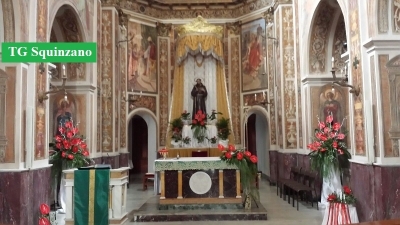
[64,71]
[255,96]
[264,95]
[140,93]
[333,62]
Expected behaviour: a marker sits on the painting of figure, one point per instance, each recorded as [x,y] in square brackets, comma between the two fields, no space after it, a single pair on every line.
[142,58]
[64,109]
[254,62]
[332,102]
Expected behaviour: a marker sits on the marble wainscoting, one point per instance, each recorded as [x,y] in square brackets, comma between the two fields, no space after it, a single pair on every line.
[124,159]
[21,193]
[171,180]
[114,161]
[273,160]
[229,183]
[377,191]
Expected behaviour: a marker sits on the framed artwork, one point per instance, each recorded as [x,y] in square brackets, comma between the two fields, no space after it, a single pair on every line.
[142,58]
[253,52]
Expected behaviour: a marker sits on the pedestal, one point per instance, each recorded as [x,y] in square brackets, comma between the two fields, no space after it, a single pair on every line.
[330,184]
[117,203]
[340,213]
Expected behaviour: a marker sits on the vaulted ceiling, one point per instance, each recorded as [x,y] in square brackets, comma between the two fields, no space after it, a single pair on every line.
[193,4]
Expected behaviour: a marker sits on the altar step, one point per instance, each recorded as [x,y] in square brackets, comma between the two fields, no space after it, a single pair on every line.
[149,212]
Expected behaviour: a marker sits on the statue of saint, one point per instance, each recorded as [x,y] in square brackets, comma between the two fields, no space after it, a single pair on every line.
[199,94]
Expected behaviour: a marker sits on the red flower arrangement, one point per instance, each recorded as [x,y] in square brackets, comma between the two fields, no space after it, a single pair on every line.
[247,165]
[70,147]
[328,148]
[345,197]
[199,126]
[44,217]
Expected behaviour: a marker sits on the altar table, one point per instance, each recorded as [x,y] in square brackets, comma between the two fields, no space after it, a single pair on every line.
[187,152]
[197,180]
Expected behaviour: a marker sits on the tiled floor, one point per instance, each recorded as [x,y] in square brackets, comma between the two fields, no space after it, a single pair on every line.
[279,211]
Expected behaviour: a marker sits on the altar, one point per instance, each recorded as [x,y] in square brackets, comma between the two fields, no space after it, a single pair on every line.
[197,180]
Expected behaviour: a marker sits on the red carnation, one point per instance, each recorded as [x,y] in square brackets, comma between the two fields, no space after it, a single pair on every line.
[331,198]
[66,144]
[321,125]
[61,130]
[336,126]
[247,153]
[58,138]
[75,149]
[63,154]
[329,119]
[228,155]
[70,134]
[70,156]
[202,123]
[85,153]
[335,144]
[340,136]
[58,145]
[68,124]
[83,145]
[221,147]
[347,190]
[231,148]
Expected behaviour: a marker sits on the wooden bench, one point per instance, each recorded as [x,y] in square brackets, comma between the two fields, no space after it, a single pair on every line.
[305,184]
[294,173]
[382,222]
[146,178]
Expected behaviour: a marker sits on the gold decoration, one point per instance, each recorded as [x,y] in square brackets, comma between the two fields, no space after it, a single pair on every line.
[200,25]
[234,28]
[163,29]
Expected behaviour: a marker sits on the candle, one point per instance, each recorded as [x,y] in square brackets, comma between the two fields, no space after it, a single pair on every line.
[140,93]
[264,95]
[255,96]
[333,62]
[64,71]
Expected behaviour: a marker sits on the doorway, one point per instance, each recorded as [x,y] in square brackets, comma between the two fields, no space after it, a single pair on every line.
[139,144]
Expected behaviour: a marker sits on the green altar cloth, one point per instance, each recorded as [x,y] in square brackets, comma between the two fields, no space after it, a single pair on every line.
[91,196]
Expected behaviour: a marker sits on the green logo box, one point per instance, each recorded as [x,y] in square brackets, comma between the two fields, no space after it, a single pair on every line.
[52,52]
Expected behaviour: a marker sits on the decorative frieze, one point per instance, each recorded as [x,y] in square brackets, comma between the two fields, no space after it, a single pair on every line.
[3,137]
[234,57]
[164,74]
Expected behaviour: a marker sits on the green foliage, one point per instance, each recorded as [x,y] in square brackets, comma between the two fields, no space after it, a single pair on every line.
[223,128]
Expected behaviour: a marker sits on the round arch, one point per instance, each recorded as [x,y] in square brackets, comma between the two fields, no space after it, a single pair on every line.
[54,10]
[263,133]
[151,121]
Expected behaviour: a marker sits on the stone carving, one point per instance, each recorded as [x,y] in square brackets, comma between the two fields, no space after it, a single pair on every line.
[107,82]
[234,28]
[269,15]
[165,82]
[290,84]
[383,16]
[163,29]
[396,15]
[319,38]
[234,52]
[394,89]
[3,138]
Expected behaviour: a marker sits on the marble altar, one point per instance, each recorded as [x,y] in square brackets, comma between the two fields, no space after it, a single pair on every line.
[197,181]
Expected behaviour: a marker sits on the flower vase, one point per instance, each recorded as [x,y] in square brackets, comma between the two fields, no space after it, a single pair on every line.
[176,144]
[330,183]
[247,202]
[185,121]
[224,142]
[212,122]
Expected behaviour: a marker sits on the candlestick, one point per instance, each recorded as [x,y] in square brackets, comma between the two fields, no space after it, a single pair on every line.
[64,76]
[333,62]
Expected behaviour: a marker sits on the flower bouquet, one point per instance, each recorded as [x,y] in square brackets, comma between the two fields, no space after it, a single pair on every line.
[345,197]
[328,149]
[44,218]
[247,165]
[212,140]
[340,204]
[199,126]
[223,128]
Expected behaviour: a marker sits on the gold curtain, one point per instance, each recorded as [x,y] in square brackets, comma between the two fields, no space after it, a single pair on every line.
[207,44]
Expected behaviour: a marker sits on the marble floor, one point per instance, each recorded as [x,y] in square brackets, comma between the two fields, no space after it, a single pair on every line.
[279,211]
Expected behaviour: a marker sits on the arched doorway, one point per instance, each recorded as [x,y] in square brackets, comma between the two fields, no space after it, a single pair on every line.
[138,144]
[258,137]
[142,139]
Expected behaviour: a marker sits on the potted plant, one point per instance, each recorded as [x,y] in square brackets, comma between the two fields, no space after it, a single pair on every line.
[185,116]
[186,140]
[212,140]
[212,118]
[223,130]
[199,126]
[176,130]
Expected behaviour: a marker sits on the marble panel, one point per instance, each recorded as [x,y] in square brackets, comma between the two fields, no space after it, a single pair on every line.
[285,162]
[387,188]
[111,160]
[21,194]
[273,160]
[187,191]
[171,184]
[124,159]
[362,184]
[303,161]
[229,183]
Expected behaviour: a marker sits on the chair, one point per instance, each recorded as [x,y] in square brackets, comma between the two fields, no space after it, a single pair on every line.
[146,178]
[199,153]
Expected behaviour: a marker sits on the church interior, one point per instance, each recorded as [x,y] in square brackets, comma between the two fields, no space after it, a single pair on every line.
[271,68]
